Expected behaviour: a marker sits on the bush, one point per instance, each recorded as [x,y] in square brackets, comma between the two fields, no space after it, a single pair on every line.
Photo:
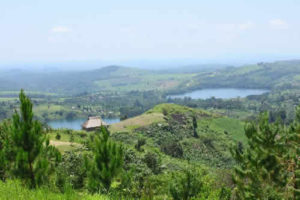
[153,162]
[172,148]
[71,170]
[58,136]
[139,144]
[186,187]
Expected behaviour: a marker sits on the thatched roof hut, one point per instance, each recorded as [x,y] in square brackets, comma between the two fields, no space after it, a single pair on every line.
[93,123]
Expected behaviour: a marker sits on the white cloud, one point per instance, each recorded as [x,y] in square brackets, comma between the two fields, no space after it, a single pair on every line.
[278,24]
[60,29]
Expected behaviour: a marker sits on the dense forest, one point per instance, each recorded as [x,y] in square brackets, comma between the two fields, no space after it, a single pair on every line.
[163,148]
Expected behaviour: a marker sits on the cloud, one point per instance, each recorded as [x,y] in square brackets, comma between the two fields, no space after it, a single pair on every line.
[60,29]
[278,24]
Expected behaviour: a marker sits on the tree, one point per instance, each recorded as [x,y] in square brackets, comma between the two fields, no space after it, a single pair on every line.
[263,167]
[4,151]
[195,126]
[107,162]
[32,154]
[294,155]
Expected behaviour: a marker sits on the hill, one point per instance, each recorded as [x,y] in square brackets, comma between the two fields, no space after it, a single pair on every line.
[112,78]
[161,143]
[276,75]
[169,129]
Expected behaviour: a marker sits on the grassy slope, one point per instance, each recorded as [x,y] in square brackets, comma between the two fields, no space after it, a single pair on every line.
[216,134]
[207,122]
[234,127]
[136,122]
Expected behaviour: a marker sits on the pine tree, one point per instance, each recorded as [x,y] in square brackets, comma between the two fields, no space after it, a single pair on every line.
[195,126]
[32,152]
[3,161]
[261,172]
[107,162]
[294,155]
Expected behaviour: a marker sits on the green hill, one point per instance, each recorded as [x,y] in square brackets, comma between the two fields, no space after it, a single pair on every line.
[112,78]
[168,129]
[276,75]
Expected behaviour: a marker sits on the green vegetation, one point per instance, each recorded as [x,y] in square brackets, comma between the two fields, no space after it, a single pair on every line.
[15,190]
[277,75]
[107,163]
[267,169]
[163,148]
[26,150]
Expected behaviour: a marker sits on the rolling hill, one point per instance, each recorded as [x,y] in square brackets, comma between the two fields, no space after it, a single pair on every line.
[112,78]
[276,75]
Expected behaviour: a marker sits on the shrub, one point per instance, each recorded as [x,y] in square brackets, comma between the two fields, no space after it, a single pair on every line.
[172,148]
[186,187]
[153,162]
[58,136]
[139,144]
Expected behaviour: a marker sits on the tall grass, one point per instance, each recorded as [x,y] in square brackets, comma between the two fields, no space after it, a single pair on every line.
[13,190]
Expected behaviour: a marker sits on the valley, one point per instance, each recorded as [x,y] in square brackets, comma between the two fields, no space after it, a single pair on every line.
[166,123]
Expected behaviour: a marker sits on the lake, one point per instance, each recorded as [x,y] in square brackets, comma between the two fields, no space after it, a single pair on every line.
[75,124]
[223,93]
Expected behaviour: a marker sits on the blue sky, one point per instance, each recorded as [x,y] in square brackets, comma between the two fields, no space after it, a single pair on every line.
[132,30]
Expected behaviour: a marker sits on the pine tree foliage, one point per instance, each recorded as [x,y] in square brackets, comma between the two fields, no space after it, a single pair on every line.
[3,152]
[294,156]
[27,148]
[107,162]
[263,168]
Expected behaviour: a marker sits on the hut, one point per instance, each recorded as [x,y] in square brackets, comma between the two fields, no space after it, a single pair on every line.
[93,123]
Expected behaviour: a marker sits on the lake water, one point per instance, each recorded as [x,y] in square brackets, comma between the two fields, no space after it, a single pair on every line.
[75,124]
[223,93]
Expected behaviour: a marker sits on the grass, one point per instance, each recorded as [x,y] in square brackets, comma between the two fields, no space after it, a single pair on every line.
[47,108]
[143,82]
[175,108]
[14,190]
[234,127]
[136,122]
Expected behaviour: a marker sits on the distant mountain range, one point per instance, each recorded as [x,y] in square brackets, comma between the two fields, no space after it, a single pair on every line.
[281,74]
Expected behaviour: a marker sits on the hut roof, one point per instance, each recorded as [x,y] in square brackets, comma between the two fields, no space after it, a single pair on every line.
[93,122]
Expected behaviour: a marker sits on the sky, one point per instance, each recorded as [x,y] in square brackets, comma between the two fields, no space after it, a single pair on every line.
[153,31]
